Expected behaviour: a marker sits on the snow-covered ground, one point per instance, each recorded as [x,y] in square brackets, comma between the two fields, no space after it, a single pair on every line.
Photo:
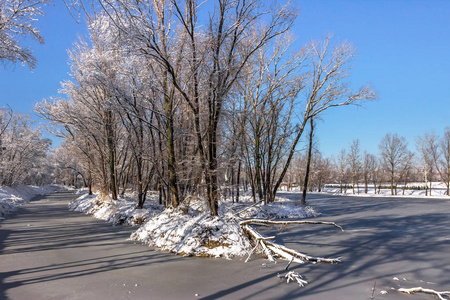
[121,211]
[189,231]
[12,197]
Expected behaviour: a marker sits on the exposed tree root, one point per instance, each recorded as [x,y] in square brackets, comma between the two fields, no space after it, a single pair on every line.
[429,291]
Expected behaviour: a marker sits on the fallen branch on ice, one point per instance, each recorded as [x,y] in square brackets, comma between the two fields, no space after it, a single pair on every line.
[271,248]
[273,222]
[429,291]
[294,276]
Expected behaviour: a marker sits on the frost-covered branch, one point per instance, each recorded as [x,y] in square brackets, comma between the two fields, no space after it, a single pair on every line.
[423,290]
[272,222]
[17,18]
[271,248]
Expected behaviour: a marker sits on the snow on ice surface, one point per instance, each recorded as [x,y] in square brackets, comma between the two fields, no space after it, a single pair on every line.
[12,197]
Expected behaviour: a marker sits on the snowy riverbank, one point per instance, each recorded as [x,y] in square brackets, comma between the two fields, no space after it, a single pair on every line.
[12,197]
[189,231]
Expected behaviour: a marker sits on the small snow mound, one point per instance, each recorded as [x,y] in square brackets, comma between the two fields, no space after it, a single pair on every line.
[122,211]
[190,234]
[190,229]
[194,232]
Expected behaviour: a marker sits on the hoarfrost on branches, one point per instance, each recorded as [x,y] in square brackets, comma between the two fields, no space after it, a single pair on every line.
[17,21]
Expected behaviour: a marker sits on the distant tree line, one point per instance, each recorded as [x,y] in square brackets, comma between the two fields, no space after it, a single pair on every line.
[394,167]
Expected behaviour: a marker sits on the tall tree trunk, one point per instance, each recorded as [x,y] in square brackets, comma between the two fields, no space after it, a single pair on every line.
[290,156]
[258,169]
[112,154]
[233,183]
[392,182]
[213,191]
[89,178]
[308,162]
[238,181]
[140,187]
[173,184]
[168,107]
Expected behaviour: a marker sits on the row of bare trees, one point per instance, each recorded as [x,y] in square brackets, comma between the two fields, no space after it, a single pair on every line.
[395,165]
[163,98]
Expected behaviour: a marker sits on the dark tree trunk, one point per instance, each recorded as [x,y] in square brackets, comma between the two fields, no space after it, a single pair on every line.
[308,162]
[173,184]
[212,188]
[238,181]
[112,154]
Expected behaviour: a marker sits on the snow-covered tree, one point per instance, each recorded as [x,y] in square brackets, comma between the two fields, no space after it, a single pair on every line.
[441,157]
[395,157]
[17,21]
[270,86]
[426,146]
[23,151]
[368,167]
[328,87]
[342,167]
[88,117]
[214,57]
[354,159]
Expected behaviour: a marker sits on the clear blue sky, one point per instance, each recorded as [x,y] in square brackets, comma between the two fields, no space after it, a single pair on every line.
[403,50]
